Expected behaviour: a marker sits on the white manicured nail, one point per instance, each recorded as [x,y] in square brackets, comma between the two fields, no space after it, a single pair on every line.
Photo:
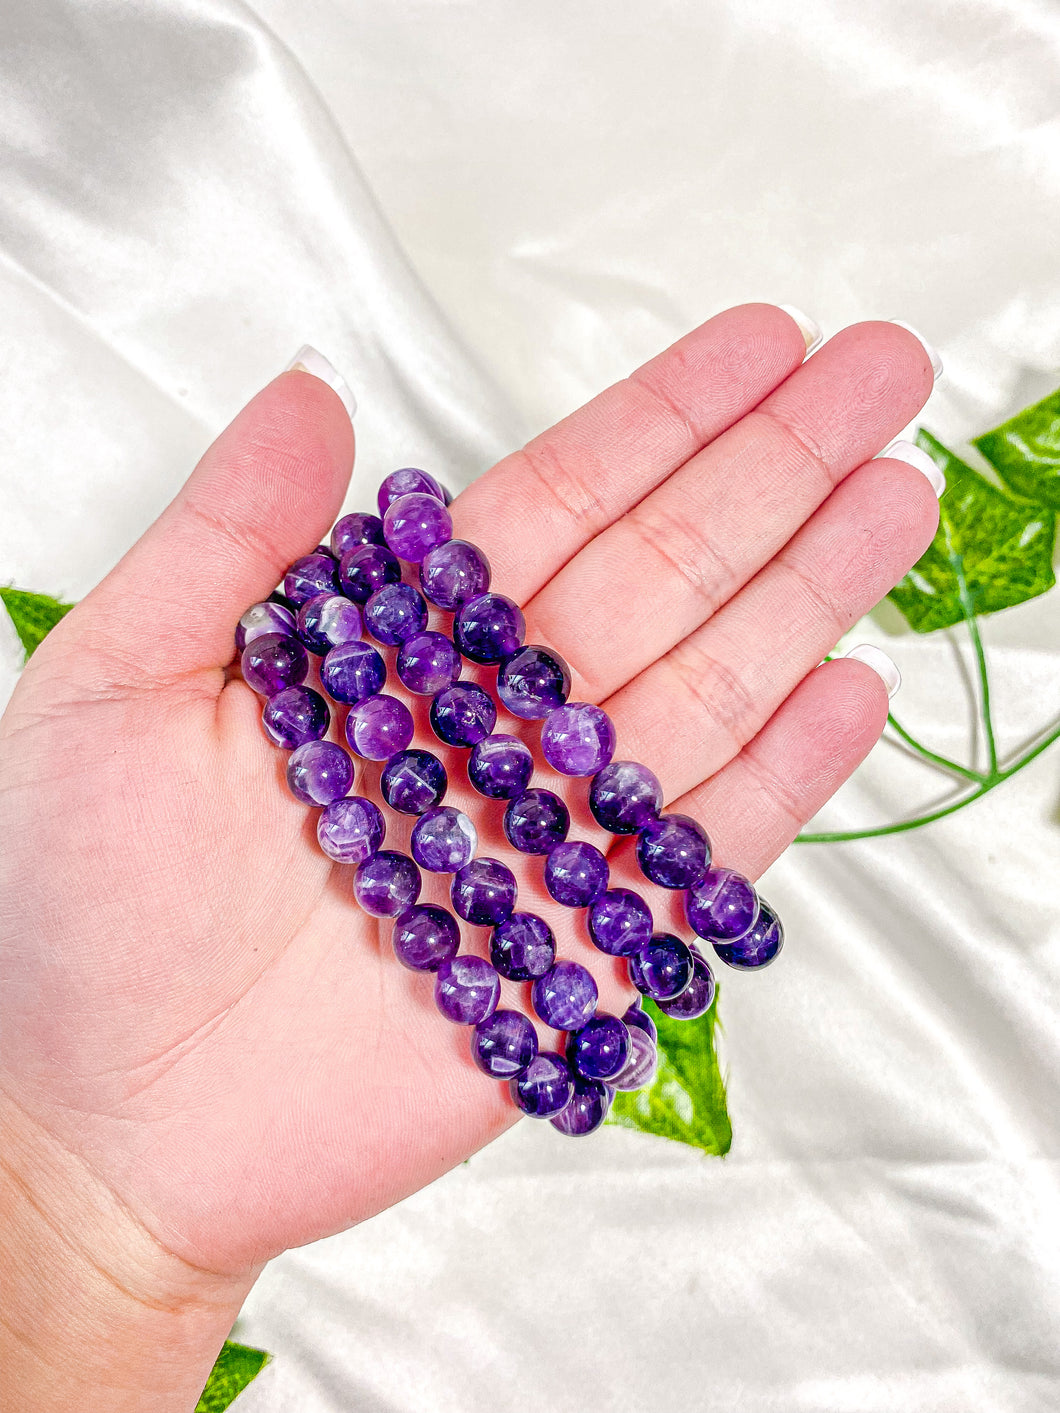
[308,360]
[929,349]
[917,457]
[811,330]
[880,663]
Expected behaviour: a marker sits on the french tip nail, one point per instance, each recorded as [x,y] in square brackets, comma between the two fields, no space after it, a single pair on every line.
[311,360]
[918,458]
[881,664]
[929,348]
[810,328]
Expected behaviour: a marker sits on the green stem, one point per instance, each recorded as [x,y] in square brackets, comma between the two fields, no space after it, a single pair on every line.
[968,606]
[942,761]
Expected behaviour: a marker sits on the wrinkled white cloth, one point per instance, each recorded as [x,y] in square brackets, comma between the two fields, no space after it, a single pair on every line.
[483,214]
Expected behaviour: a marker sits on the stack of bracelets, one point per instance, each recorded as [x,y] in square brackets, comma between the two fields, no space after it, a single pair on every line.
[328,599]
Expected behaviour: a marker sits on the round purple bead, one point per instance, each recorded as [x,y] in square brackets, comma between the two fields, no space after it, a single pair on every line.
[395,612]
[262,618]
[695,1000]
[578,739]
[663,968]
[463,714]
[466,990]
[387,884]
[428,663]
[355,530]
[637,1017]
[673,851]
[484,892]
[294,716]
[643,1063]
[274,661]
[545,1088]
[407,481]
[379,727]
[624,797]
[489,628]
[536,821]
[504,1045]
[722,905]
[444,840]
[500,767]
[532,681]
[352,671]
[620,922]
[454,573]
[413,781]
[600,1049]
[576,874]
[366,569]
[326,620]
[565,997]
[415,524]
[523,947]
[587,1109]
[350,830]
[319,773]
[756,948]
[425,936]
[316,573]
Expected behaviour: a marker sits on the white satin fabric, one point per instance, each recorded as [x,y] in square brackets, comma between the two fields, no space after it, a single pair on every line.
[483,213]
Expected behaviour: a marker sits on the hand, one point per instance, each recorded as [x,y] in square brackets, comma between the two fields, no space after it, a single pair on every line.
[196,1015]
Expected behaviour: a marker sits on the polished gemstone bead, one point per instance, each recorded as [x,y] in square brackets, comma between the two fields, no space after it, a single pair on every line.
[500,767]
[640,1069]
[587,1109]
[545,1088]
[395,612]
[504,1044]
[565,997]
[366,569]
[624,797]
[387,884]
[620,922]
[428,663]
[425,936]
[294,716]
[444,840]
[532,681]
[353,671]
[600,1049]
[355,530]
[484,892]
[326,620]
[262,618]
[413,781]
[756,948]
[379,727]
[696,998]
[637,1017]
[316,573]
[662,969]
[466,990]
[488,628]
[351,830]
[673,851]
[723,905]
[454,573]
[522,947]
[415,524]
[536,821]
[576,874]
[274,661]
[319,773]
[463,714]
[408,480]
[577,739]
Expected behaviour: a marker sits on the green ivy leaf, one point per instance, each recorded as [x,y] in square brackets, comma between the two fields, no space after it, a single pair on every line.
[1003,546]
[687,1100]
[1025,451]
[237,1365]
[34,615]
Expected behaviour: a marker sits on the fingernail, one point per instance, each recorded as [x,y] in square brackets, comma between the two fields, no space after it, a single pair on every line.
[917,457]
[880,663]
[308,360]
[929,349]
[811,330]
